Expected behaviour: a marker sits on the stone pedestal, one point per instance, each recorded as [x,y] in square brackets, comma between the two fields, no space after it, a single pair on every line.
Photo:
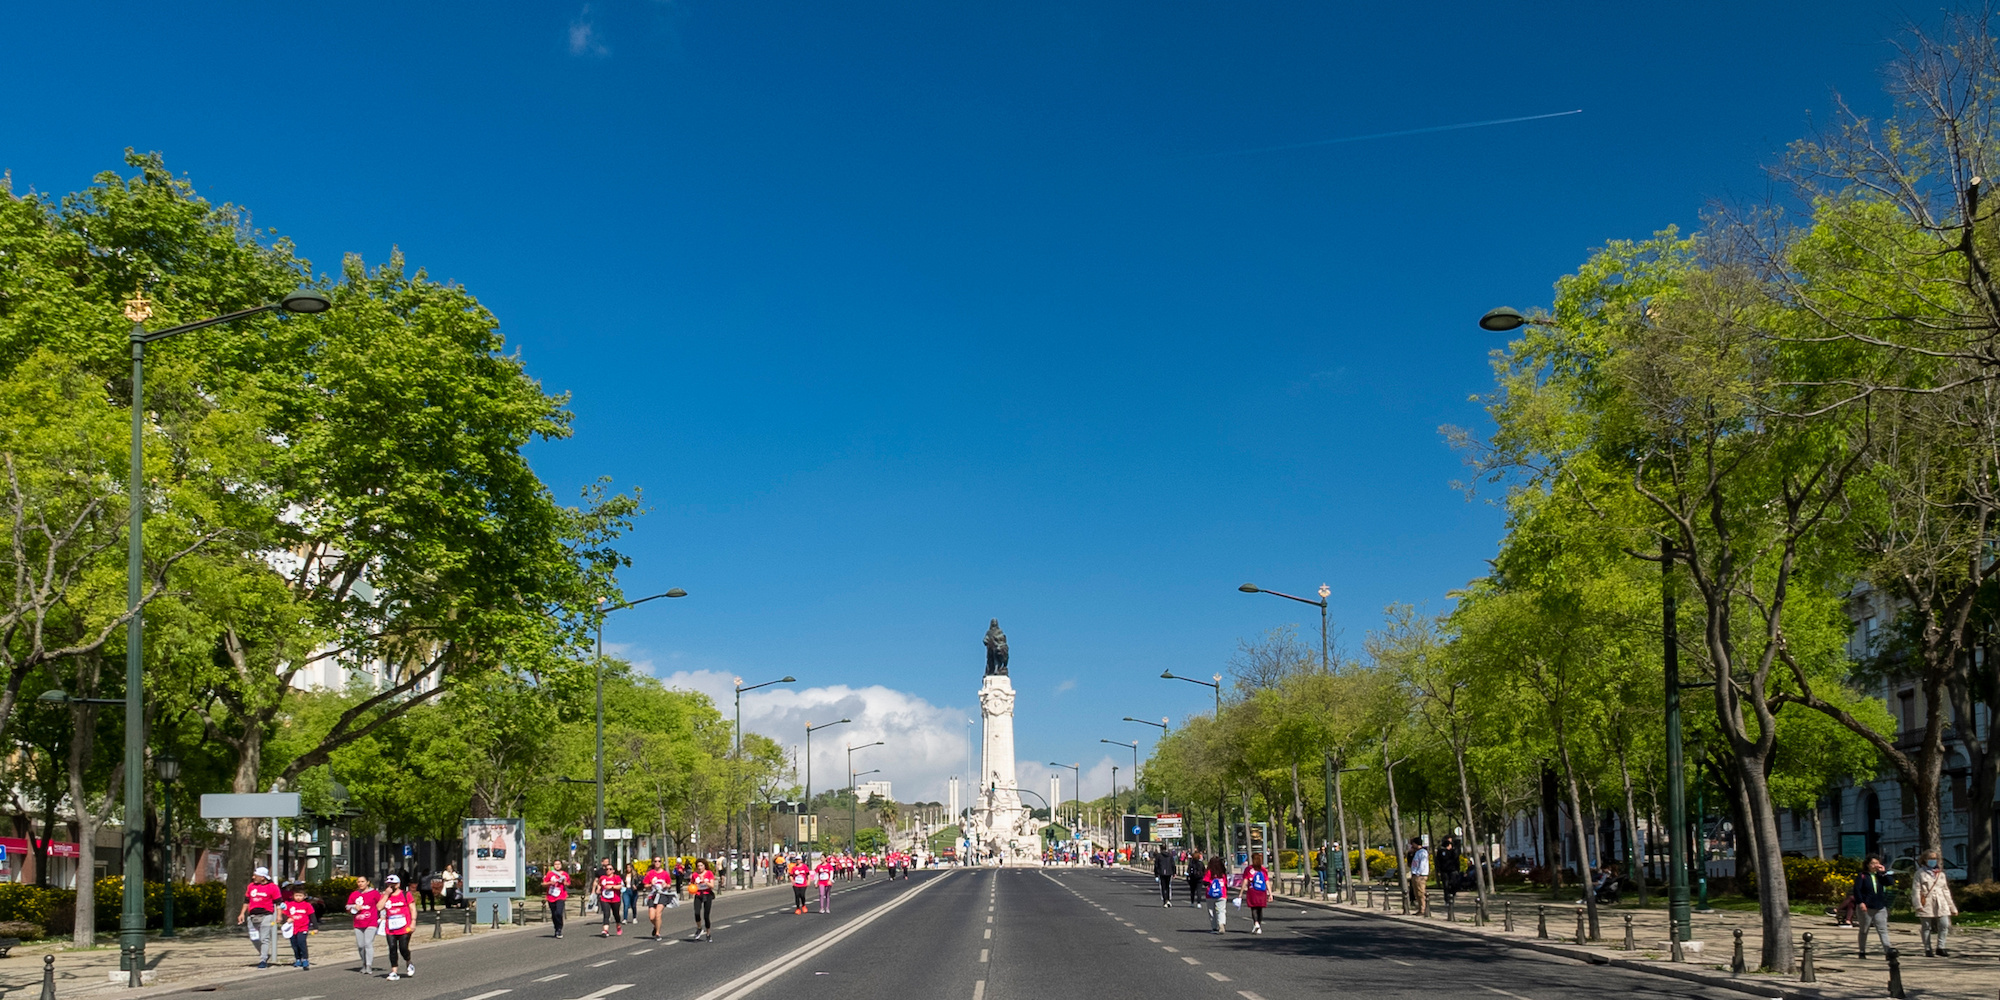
[1002,826]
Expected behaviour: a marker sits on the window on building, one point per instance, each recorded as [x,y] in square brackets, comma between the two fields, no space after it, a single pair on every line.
[1906,702]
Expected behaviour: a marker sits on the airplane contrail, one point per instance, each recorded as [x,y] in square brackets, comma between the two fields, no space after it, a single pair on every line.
[1383,135]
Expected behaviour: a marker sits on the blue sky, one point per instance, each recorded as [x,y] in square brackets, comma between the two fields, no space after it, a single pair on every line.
[908,315]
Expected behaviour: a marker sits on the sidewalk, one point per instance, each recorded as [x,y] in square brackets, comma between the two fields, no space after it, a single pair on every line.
[1971,971]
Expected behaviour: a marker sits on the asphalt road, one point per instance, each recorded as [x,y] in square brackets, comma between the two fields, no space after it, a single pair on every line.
[983,934]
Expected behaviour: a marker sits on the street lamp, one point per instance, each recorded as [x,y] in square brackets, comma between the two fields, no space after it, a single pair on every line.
[597,834]
[1502,320]
[1076,789]
[132,921]
[168,767]
[815,823]
[1168,675]
[1164,731]
[737,785]
[1135,771]
[1324,592]
[853,808]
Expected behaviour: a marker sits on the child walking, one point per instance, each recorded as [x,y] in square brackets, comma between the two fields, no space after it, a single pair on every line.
[295,916]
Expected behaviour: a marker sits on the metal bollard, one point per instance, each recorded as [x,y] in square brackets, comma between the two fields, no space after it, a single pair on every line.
[1479,917]
[1895,973]
[1542,922]
[1674,950]
[1580,938]
[468,922]
[1451,910]
[1736,966]
[1630,944]
[1507,915]
[437,924]
[1806,972]
[48,977]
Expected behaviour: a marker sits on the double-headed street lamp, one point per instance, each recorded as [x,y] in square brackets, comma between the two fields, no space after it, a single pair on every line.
[1324,592]
[853,807]
[597,834]
[132,921]
[737,785]
[1502,320]
[813,824]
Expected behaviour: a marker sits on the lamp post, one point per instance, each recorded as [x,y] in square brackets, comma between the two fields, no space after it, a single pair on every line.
[813,823]
[1221,810]
[132,921]
[168,767]
[1076,788]
[1324,592]
[1502,320]
[854,808]
[597,834]
[1162,726]
[1135,771]
[737,785]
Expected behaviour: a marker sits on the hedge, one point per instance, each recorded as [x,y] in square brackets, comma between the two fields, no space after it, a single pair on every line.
[55,909]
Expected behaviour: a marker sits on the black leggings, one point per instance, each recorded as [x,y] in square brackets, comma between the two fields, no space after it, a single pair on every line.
[1166,888]
[704,904]
[609,909]
[556,908]
[799,897]
[399,944]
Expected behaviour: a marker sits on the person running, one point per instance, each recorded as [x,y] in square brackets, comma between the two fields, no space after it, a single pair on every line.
[658,885]
[295,918]
[399,918]
[363,903]
[1215,886]
[609,888]
[555,889]
[801,877]
[823,877]
[1256,892]
[1163,869]
[706,881]
[260,904]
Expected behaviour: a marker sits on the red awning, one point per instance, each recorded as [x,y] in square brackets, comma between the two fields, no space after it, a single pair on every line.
[57,849]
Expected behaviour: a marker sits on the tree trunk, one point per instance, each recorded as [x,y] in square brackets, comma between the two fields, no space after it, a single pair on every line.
[1975,684]
[1551,839]
[1482,874]
[1577,826]
[243,830]
[1819,836]
[1396,827]
[1632,837]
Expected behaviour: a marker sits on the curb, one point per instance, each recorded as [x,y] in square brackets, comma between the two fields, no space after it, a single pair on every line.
[1590,956]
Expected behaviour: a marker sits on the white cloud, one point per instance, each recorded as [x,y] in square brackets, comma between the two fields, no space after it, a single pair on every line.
[583,39]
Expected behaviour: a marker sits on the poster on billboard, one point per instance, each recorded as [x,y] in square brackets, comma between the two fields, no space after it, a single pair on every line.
[1167,826]
[493,856]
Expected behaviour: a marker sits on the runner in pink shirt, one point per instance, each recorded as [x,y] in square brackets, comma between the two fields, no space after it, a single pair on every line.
[365,903]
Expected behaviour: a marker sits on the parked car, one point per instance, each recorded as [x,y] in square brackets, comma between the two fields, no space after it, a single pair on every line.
[1903,868]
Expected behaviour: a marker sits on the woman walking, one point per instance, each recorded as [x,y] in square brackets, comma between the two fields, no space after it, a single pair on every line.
[399,918]
[705,882]
[609,888]
[1256,892]
[1195,868]
[555,889]
[364,902]
[658,887]
[1215,886]
[1932,901]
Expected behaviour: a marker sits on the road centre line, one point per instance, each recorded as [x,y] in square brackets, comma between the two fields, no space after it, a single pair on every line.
[750,982]
[1218,977]
[488,995]
[984,954]
[551,979]
[1190,960]
[642,951]
[607,991]
[599,965]
[1503,993]
[1247,995]
[979,989]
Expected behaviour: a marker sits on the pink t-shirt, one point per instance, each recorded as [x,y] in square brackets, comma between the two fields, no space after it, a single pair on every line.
[300,913]
[555,885]
[653,877]
[262,897]
[362,903]
[399,912]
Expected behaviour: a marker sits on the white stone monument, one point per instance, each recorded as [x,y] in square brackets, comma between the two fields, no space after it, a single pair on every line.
[1002,829]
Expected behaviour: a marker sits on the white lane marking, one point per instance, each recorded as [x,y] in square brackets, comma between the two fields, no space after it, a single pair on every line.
[551,979]
[749,982]
[984,954]
[988,936]
[642,951]
[1218,977]
[1247,995]
[488,995]
[607,991]
[1154,940]
[989,920]
[1168,947]
[1399,961]
[670,941]
[599,965]
[1190,960]
[1504,993]
[1140,930]
[979,989]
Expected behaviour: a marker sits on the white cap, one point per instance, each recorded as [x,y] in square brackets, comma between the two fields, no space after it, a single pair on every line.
[262,873]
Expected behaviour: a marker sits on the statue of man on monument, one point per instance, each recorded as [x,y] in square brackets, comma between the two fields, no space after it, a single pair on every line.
[996,650]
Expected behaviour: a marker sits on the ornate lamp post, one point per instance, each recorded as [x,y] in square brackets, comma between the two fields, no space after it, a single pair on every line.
[168,767]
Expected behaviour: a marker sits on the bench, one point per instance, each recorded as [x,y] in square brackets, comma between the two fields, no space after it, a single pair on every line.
[8,944]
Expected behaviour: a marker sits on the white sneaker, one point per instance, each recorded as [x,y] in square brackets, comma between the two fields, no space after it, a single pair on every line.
[393,977]
[411,971]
